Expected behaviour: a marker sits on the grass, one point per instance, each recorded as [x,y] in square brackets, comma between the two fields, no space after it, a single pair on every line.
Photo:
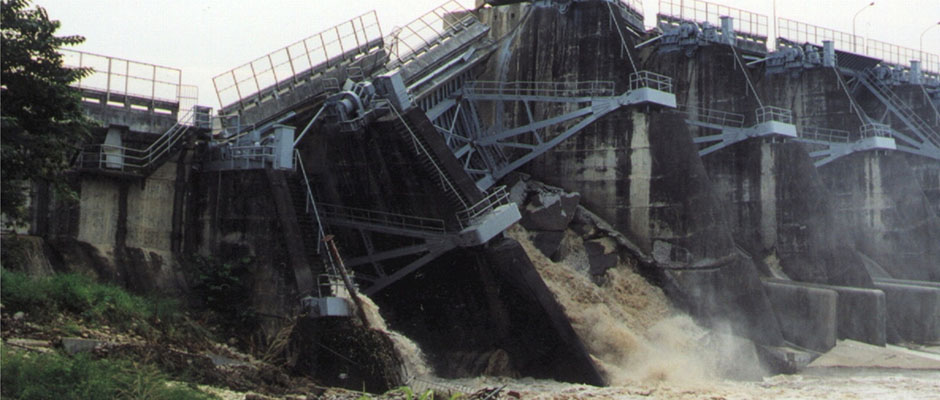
[80,295]
[91,303]
[28,376]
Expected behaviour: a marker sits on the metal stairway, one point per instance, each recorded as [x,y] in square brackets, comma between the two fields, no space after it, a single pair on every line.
[927,137]
[435,157]
[140,163]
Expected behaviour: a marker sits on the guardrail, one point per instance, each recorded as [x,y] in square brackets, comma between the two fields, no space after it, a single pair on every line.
[899,55]
[402,221]
[298,61]
[430,29]
[648,79]
[497,197]
[800,32]
[126,77]
[123,81]
[771,113]
[634,11]
[824,134]
[541,88]
[874,129]
[127,159]
[712,116]
[703,11]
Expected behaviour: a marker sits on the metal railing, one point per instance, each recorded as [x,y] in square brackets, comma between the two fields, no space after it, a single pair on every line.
[771,113]
[430,29]
[127,159]
[401,221]
[712,116]
[310,205]
[703,11]
[633,9]
[800,32]
[874,129]
[120,76]
[541,88]
[284,67]
[899,55]
[423,152]
[648,79]
[498,197]
[824,134]
[900,106]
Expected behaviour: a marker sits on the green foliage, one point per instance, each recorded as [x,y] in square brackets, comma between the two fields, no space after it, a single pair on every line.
[82,296]
[42,119]
[221,286]
[55,376]
[409,394]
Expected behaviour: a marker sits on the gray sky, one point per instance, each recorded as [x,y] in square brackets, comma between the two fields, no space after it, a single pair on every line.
[205,38]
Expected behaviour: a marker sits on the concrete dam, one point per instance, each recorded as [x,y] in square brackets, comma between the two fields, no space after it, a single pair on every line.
[444,168]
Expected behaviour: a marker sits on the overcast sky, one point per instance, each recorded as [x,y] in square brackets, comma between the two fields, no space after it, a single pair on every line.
[205,38]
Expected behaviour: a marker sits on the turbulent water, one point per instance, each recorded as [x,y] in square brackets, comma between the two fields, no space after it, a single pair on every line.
[648,350]
[414,364]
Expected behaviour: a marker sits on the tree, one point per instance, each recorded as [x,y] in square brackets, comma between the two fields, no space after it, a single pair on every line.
[42,119]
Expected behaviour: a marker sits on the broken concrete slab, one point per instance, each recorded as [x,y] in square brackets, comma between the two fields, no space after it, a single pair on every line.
[602,254]
[550,211]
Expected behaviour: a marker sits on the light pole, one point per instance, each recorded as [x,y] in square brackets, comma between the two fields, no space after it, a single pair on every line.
[854,45]
[922,40]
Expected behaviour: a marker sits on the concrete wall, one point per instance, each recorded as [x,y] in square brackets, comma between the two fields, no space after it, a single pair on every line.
[807,314]
[637,169]
[913,312]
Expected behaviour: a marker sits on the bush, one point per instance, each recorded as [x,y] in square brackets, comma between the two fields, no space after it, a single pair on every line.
[54,376]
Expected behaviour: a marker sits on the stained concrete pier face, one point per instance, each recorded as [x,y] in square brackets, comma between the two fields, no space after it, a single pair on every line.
[889,216]
[636,168]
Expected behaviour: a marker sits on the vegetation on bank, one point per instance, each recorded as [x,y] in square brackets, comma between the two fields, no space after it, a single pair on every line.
[80,297]
[64,304]
[25,375]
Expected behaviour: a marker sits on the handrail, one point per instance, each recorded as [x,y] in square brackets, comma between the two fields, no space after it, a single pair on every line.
[311,204]
[712,116]
[697,10]
[642,79]
[498,197]
[824,134]
[541,88]
[874,129]
[299,60]
[900,55]
[125,77]
[421,34]
[146,156]
[623,41]
[800,32]
[772,113]
[419,148]
[402,221]
[901,106]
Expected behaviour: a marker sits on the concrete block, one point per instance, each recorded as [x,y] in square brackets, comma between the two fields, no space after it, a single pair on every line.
[78,345]
[913,312]
[548,242]
[807,314]
[602,254]
[550,211]
[860,312]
